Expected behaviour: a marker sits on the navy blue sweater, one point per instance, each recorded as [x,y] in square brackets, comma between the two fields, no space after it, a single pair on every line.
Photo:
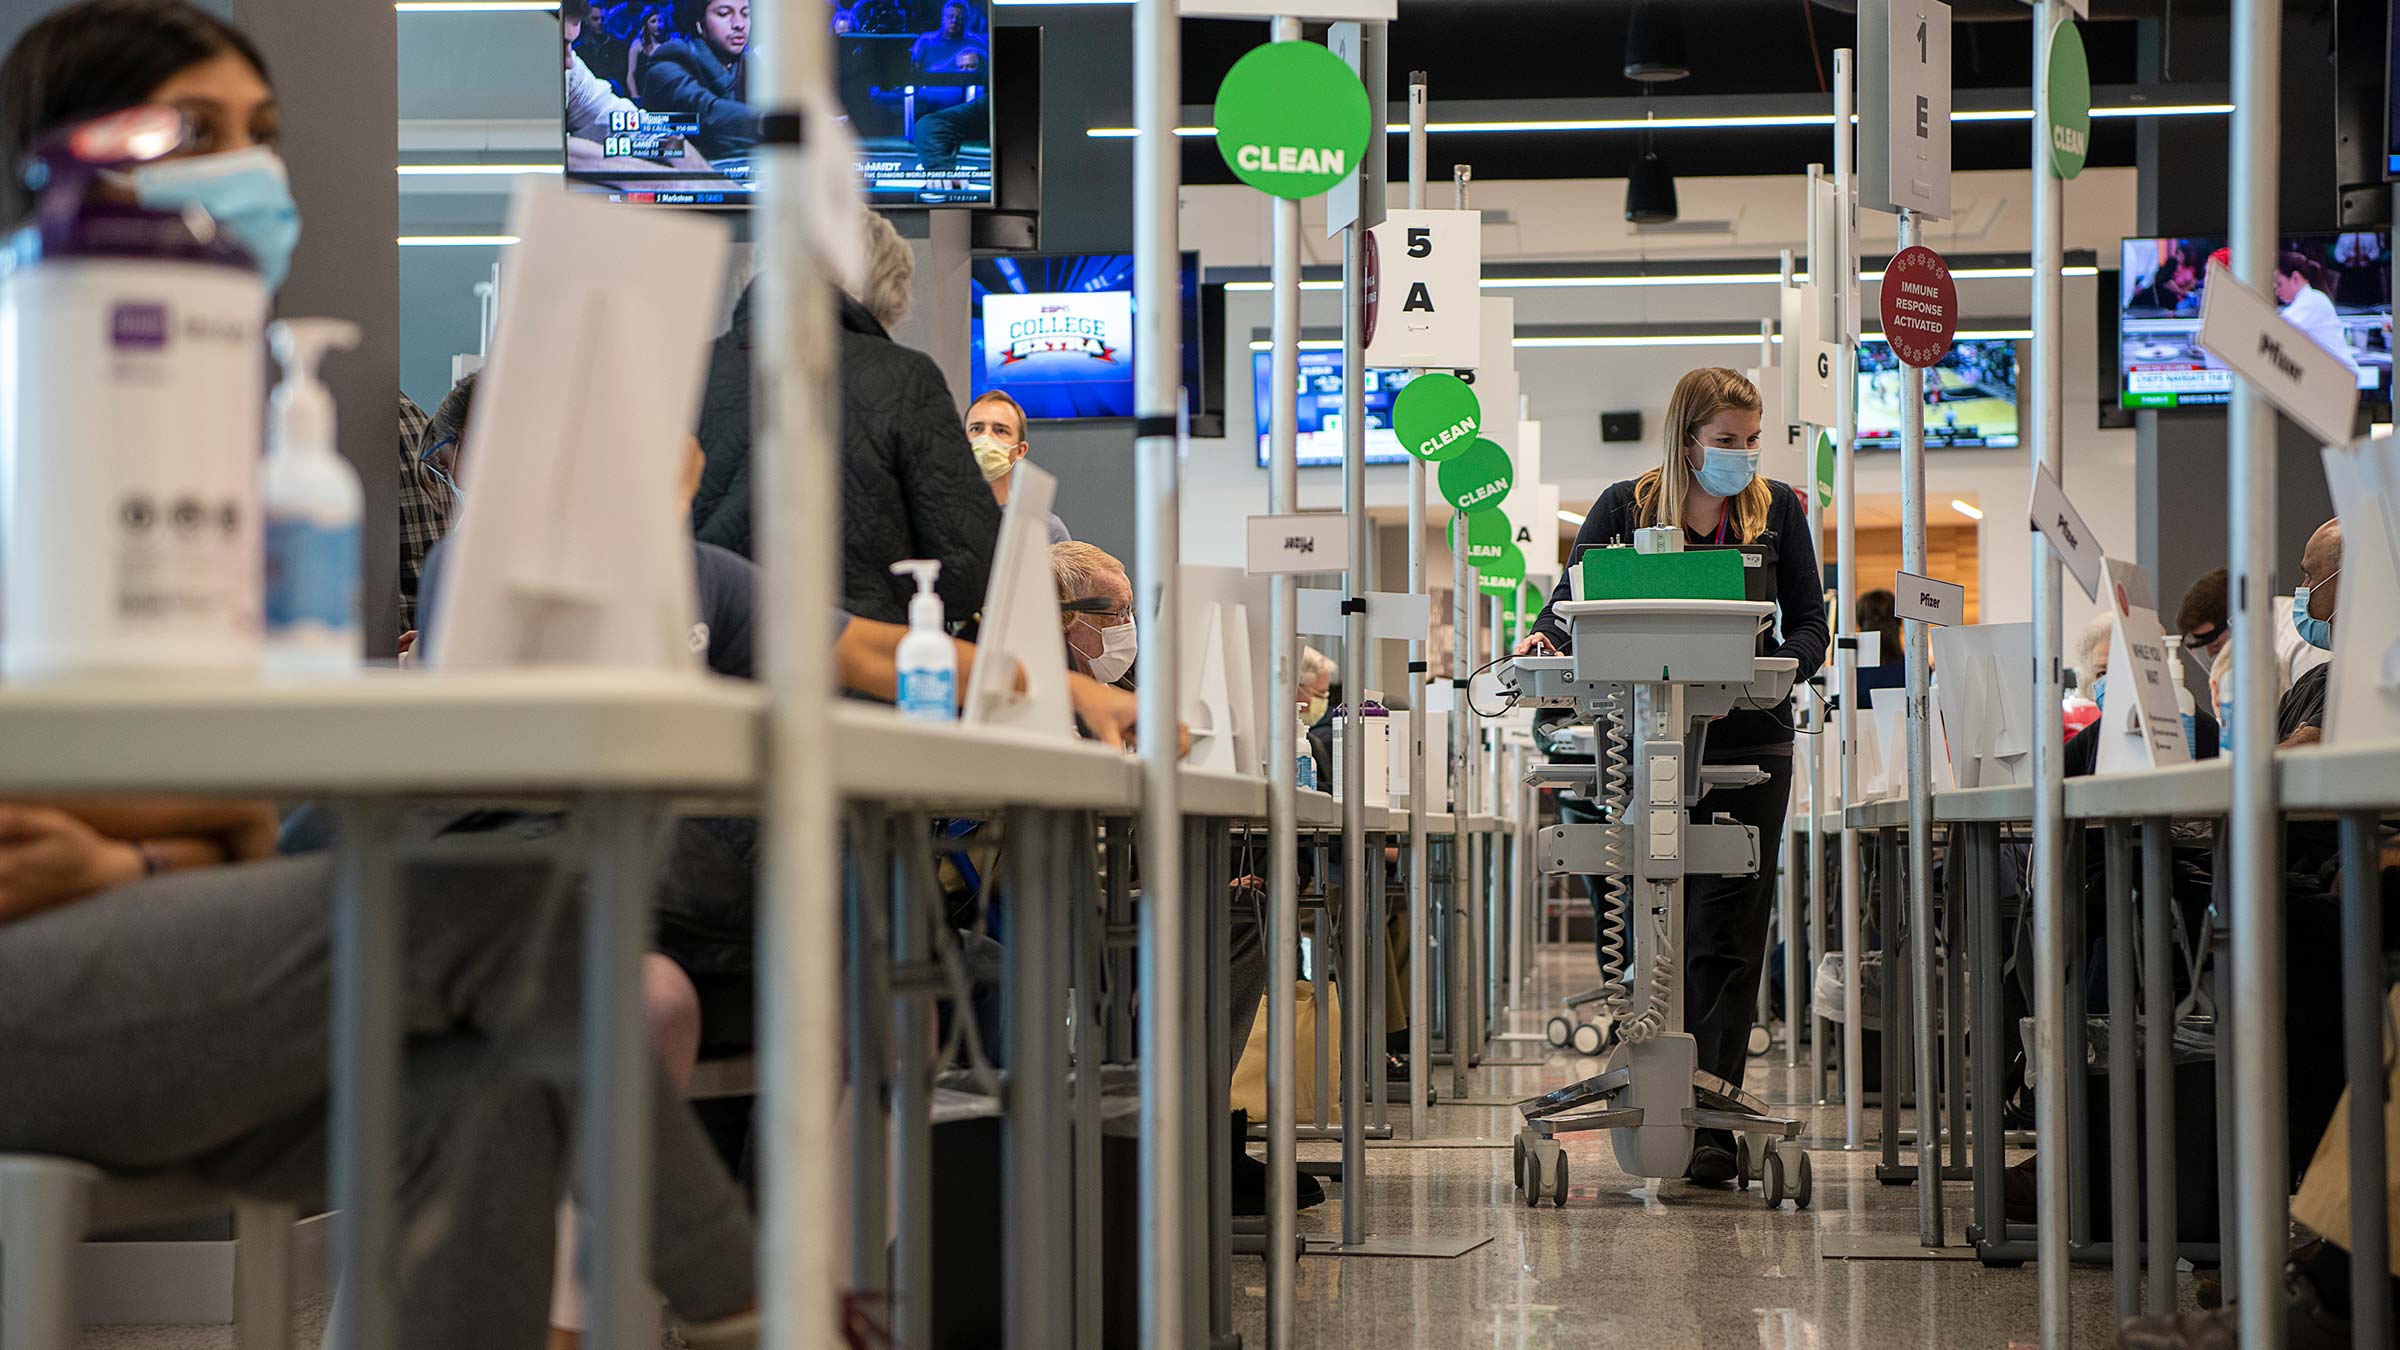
[1799,595]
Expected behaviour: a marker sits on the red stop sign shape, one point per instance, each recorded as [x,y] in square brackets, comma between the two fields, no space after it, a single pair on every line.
[1920,306]
[1370,276]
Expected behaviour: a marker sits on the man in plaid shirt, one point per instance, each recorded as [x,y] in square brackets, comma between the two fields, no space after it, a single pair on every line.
[427,504]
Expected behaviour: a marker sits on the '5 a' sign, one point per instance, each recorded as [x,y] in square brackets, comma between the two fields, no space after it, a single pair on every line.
[1428,291]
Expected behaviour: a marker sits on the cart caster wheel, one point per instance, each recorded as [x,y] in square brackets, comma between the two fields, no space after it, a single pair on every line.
[1530,1182]
[1803,1183]
[1745,1162]
[1590,1040]
[1519,1171]
[1761,1041]
[1558,1031]
[1772,1186]
[1558,1183]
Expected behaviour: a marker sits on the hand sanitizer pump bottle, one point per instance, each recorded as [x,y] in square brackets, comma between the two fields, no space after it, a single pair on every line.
[313,503]
[927,660]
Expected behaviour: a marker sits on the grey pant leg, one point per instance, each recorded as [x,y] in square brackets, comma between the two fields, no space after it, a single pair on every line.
[181,1023]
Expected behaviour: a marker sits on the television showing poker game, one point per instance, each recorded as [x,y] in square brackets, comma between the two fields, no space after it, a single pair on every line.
[1055,331]
[1970,397]
[2337,288]
[658,106]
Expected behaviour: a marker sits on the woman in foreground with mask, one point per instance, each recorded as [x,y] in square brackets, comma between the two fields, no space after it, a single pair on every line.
[1708,484]
[163,979]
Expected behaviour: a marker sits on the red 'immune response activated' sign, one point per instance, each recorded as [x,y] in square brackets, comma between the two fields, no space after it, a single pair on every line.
[1920,306]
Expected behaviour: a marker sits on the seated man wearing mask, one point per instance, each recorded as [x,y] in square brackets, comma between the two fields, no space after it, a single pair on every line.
[2300,718]
[1096,601]
[996,431]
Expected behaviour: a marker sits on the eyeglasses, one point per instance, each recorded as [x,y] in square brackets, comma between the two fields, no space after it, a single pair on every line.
[1098,605]
[2194,640]
[427,457]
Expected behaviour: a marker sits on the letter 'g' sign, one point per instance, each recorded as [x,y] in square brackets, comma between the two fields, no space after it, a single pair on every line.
[1920,306]
[1292,119]
[1479,479]
[1436,417]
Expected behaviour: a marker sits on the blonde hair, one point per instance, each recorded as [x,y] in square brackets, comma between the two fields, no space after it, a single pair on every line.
[890,268]
[1701,394]
[1024,423]
[1074,565]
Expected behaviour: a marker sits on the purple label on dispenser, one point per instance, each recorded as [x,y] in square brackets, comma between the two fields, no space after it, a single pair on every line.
[142,325]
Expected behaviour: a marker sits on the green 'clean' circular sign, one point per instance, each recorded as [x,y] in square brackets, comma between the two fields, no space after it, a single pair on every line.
[1479,479]
[1501,575]
[1436,417]
[1825,462]
[1487,536]
[2070,79]
[1292,119]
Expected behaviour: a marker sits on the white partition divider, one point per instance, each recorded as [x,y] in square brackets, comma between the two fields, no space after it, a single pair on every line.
[2362,693]
[2141,728]
[1020,674]
[1981,702]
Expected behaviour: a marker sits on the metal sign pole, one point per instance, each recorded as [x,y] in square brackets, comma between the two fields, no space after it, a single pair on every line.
[2259,1127]
[1461,943]
[801,1257]
[1920,797]
[1844,291]
[1359,874]
[1283,740]
[1420,916]
[2051,1033]
[1164,962]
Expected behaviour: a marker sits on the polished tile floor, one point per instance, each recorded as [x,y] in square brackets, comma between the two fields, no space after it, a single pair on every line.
[1660,1268]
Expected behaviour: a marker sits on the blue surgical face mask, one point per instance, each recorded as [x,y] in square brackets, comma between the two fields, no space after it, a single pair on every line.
[1724,471]
[2100,690]
[246,192]
[2317,633]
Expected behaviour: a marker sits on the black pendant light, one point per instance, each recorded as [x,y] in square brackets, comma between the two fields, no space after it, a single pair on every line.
[1650,191]
[1654,44]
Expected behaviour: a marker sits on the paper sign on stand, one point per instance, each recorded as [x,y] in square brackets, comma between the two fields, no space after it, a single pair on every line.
[1317,541]
[1533,531]
[2146,730]
[1208,698]
[1428,287]
[1808,360]
[1245,601]
[1890,709]
[1021,621]
[1494,374]
[2313,386]
[2070,538]
[564,553]
[1904,106]
[1927,600]
[2362,691]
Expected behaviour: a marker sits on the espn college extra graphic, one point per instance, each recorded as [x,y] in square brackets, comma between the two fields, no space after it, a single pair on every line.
[1057,338]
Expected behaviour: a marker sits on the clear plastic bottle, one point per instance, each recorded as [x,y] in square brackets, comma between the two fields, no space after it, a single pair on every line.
[313,505]
[1304,764]
[2184,702]
[928,662]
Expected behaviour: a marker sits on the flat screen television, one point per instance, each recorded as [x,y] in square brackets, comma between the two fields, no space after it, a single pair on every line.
[1055,332]
[658,110]
[1320,407]
[1970,397]
[2340,293]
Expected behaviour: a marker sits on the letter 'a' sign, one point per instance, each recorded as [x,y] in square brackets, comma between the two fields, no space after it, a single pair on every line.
[1428,291]
[2313,386]
[1920,306]
[1904,106]
[1292,119]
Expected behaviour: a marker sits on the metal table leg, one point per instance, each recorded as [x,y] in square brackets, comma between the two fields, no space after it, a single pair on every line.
[2158,1010]
[2124,1180]
[2362,1056]
[1954,1002]
[1034,1148]
[867,902]
[1892,939]
[2078,1084]
[1212,904]
[902,849]
[369,928]
[1088,953]
[619,1072]
[1992,1035]
[1378,962]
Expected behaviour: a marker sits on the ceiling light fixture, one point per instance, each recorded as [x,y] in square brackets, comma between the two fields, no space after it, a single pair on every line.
[474,6]
[1650,191]
[457,240]
[1968,509]
[1654,44]
[1768,120]
[475,170]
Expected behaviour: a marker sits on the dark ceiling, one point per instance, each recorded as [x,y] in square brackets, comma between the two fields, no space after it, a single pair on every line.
[1529,52]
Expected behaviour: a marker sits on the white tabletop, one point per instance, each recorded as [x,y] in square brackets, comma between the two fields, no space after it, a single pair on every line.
[2341,778]
[881,756]
[1224,795]
[2201,788]
[1881,814]
[2002,802]
[412,733]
